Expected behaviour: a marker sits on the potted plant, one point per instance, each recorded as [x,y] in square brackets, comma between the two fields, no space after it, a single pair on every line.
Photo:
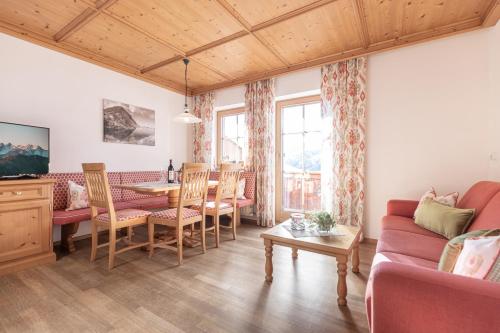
[323,221]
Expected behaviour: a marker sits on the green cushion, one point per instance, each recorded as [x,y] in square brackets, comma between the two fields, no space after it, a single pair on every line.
[453,248]
[447,221]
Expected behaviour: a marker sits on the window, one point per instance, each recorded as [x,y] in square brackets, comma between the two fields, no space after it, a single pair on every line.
[298,156]
[231,136]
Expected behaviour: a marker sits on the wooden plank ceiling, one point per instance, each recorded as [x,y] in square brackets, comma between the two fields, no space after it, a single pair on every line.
[233,41]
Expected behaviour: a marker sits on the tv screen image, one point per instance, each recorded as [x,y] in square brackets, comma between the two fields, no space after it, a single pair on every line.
[24,150]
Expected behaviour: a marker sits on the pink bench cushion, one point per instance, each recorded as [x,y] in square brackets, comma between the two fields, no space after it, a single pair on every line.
[63,217]
[124,214]
[411,244]
[61,186]
[151,202]
[134,177]
[239,203]
[405,224]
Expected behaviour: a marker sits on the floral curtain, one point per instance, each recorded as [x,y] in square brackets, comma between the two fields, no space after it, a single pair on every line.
[203,107]
[260,121]
[343,108]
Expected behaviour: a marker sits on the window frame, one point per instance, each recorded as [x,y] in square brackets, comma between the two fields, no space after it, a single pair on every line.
[282,215]
[220,117]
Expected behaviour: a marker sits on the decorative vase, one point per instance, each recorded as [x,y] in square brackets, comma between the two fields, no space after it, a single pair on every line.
[297,222]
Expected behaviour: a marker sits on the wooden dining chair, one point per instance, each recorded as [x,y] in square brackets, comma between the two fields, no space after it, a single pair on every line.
[193,191]
[225,200]
[99,198]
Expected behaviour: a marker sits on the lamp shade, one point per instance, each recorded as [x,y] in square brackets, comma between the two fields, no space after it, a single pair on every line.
[187,118]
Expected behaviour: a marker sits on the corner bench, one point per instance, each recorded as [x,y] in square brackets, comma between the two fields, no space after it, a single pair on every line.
[70,220]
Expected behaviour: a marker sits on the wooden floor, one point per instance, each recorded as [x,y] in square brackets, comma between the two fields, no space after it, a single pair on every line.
[220,291]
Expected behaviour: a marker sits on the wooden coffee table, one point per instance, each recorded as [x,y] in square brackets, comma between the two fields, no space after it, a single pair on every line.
[339,247]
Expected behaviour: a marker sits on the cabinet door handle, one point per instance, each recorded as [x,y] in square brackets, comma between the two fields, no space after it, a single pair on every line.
[17,193]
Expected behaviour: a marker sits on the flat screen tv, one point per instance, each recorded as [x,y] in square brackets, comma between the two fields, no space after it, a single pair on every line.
[24,150]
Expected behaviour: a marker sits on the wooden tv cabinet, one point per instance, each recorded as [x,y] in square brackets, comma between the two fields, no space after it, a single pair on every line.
[25,224]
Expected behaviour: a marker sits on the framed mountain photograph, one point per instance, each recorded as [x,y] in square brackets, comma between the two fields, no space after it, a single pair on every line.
[125,123]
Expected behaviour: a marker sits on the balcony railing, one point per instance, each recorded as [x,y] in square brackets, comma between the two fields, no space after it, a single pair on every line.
[301,192]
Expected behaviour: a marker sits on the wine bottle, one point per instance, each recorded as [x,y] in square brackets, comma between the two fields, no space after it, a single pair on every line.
[171,170]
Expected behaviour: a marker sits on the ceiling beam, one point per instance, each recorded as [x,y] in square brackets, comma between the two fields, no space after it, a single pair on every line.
[87,56]
[411,39]
[492,14]
[217,42]
[291,14]
[161,64]
[363,25]
[81,20]
[248,27]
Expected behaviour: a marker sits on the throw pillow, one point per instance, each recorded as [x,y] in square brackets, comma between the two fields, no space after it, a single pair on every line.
[441,219]
[77,196]
[454,247]
[478,257]
[241,189]
[449,199]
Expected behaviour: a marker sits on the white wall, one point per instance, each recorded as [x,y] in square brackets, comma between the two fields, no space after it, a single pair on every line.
[433,117]
[42,87]
[494,101]
[429,119]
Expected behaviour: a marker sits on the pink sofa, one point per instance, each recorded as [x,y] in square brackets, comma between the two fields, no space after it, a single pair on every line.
[406,293]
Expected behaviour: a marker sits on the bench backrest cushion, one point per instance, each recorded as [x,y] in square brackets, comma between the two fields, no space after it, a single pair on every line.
[249,183]
[133,177]
[61,186]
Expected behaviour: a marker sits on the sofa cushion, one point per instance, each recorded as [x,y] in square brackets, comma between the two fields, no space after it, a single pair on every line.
[64,217]
[151,202]
[444,220]
[403,259]
[479,195]
[489,218]
[405,224]
[410,244]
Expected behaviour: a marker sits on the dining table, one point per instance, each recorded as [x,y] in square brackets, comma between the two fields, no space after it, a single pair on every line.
[159,188]
[172,190]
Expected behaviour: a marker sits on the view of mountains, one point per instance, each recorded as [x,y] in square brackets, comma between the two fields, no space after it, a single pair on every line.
[121,126]
[23,159]
[26,150]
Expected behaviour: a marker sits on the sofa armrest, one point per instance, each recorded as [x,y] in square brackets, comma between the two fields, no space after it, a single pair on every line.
[405,208]
[412,299]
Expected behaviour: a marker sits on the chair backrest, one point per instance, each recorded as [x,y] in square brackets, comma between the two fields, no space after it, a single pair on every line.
[98,191]
[194,184]
[228,183]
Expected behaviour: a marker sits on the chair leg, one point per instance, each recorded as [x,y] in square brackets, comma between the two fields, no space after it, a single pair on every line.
[217,229]
[151,238]
[112,247]
[130,232]
[233,225]
[202,234]
[192,229]
[93,251]
[180,235]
